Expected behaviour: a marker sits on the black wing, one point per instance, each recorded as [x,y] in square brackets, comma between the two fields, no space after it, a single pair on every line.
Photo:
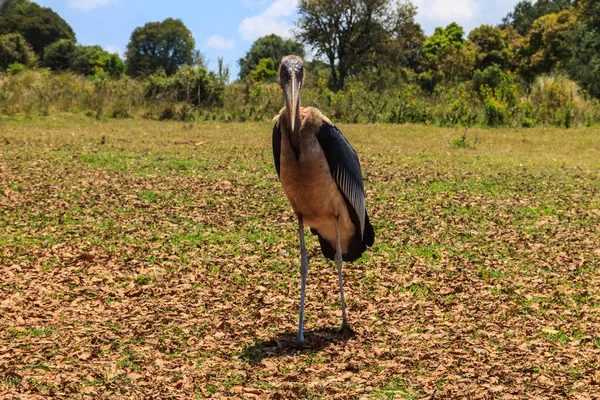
[345,170]
[277,146]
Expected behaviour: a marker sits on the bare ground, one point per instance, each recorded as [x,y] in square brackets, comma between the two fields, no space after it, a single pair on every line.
[160,260]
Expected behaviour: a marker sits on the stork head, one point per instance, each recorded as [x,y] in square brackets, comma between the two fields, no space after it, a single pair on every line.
[291,77]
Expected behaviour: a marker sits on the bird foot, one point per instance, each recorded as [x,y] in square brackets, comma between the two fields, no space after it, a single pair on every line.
[346,331]
[301,339]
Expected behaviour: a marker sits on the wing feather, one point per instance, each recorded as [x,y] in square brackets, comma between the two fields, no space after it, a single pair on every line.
[345,170]
[277,146]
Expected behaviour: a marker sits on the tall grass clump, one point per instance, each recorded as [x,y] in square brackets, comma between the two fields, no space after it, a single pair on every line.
[40,92]
[557,100]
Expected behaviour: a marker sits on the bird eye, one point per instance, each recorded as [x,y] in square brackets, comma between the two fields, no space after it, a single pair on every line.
[285,74]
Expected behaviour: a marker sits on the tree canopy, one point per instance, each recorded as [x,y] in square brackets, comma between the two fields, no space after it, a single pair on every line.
[14,49]
[13,5]
[585,41]
[492,45]
[406,38]
[168,45]
[526,12]
[353,35]
[265,71]
[85,60]
[270,46]
[447,56]
[88,60]
[59,55]
[547,44]
[40,26]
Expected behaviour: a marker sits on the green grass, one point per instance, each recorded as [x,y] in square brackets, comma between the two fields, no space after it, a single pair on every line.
[161,259]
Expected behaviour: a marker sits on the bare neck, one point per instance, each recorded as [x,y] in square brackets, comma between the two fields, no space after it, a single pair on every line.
[293,135]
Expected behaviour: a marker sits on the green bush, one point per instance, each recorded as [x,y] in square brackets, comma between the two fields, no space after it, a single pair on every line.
[16,68]
[193,85]
[527,114]
[527,123]
[491,76]
[14,49]
[454,106]
[253,101]
[408,104]
[264,71]
[502,102]
[91,60]
[495,110]
[59,56]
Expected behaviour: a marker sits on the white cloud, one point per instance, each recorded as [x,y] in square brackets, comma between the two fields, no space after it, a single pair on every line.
[114,49]
[219,43]
[271,20]
[88,4]
[447,10]
[467,13]
[254,3]
[111,48]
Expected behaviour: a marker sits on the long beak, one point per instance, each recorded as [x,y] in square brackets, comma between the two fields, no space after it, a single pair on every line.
[292,100]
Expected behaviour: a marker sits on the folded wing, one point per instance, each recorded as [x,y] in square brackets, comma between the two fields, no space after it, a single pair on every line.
[345,170]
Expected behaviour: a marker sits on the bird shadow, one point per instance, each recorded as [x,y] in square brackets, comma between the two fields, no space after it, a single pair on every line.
[286,343]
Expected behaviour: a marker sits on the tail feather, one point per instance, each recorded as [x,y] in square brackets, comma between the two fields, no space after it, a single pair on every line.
[369,233]
[356,248]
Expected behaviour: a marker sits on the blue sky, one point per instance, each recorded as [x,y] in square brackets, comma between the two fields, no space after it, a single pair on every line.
[227,28]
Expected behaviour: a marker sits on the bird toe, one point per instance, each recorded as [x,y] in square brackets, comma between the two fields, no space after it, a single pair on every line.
[346,331]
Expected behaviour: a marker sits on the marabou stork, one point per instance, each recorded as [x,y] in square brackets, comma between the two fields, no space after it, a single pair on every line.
[320,174]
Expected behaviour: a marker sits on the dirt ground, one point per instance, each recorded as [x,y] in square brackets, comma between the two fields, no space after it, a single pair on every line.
[160,260]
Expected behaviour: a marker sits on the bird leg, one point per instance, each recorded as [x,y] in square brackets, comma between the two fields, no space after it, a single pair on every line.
[303,274]
[346,330]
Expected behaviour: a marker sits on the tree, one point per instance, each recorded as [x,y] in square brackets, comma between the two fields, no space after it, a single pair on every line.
[526,12]
[265,71]
[397,54]
[492,46]
[112,64]
[442,39]
[40,26]
[407,38]
[88,60]
[547,45]
[447,56]
[13,5]
[15,49]
[83,59]
[168,45]
[270,46]
[59,56]
[589,12]
[585,42]
[348,33]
